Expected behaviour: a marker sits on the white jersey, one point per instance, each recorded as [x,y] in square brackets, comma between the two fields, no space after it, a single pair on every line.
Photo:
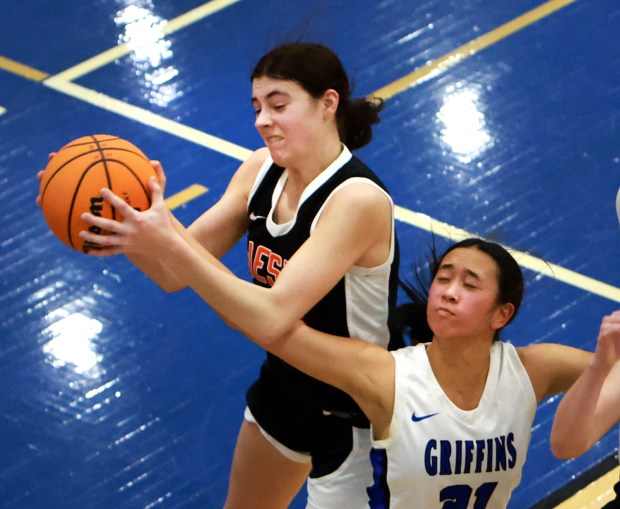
[438,455]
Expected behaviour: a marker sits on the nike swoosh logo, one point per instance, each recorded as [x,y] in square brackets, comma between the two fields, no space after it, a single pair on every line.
[254,217]
[416,418]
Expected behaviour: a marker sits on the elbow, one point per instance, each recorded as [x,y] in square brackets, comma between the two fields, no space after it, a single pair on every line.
[269,334]
[558,451]
[563,451]
[562,454]
[268,337]
[169,287]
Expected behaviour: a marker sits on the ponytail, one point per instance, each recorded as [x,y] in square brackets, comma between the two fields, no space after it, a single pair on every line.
[355,118]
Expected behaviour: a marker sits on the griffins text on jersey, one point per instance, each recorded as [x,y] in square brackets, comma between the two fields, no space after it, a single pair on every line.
[265,265]
[446,457]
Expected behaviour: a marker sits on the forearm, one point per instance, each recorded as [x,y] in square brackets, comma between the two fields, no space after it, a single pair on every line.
[255,311]
[576,424]
[155,270]
[163,275]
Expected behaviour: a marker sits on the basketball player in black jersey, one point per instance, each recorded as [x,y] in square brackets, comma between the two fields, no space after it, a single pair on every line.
[321,246]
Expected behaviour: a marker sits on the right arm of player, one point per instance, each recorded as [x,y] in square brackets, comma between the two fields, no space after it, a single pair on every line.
[217,230]
[592,405]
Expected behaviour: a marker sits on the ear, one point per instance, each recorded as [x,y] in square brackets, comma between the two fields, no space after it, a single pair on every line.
[329,102]
[502,315]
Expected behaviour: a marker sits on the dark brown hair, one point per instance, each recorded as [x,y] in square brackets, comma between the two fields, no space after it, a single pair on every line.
[316,69]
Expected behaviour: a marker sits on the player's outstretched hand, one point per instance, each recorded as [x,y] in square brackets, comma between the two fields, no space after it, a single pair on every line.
[142,233]
[608,346]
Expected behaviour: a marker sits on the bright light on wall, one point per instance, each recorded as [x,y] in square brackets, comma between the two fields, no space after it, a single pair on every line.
[463,127]
[71,345]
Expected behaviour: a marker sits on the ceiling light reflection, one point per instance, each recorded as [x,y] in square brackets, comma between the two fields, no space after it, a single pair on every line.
[143,33]
[71,345]
[463,127]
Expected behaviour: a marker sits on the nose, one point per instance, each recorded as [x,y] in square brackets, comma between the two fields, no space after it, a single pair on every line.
[450,292]
[262,119]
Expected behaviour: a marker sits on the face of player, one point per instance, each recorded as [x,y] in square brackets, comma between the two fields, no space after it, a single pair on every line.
[290,121]
[463,296]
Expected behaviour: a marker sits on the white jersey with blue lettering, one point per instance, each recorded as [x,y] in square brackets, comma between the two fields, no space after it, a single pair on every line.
[438,455]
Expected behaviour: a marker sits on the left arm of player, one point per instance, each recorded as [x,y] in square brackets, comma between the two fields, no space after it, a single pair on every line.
[553,368]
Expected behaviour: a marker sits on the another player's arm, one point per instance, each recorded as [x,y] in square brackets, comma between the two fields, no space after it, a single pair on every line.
[592,405]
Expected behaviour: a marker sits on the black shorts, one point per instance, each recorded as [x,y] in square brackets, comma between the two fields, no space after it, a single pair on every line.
[302,426]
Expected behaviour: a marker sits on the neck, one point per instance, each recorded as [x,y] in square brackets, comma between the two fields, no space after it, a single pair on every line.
[461,368]
[455,352]
[305,171]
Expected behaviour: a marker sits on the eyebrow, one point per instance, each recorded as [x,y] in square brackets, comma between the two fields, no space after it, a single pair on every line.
[469,272]
[270,95]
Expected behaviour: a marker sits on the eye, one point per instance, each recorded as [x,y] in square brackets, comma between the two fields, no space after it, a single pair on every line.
[470,286]
[279,107]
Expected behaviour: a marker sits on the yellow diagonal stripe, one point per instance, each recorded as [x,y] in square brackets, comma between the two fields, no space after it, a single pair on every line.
[149,118]
[121,50]
[440,65]
[551,270]
[22,70]
[595,495]
[193,191]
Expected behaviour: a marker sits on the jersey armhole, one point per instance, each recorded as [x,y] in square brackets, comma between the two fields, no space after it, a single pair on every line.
[262,171]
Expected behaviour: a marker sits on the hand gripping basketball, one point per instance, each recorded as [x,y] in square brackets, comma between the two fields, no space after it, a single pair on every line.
[140,232]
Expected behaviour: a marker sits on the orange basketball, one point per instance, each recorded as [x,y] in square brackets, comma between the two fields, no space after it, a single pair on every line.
[73,178]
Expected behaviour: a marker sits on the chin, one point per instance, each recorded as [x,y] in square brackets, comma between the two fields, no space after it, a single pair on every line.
[278,157]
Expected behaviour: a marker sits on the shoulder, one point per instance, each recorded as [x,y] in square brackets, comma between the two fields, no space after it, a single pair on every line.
[409,358]
[359,194]
[552,367]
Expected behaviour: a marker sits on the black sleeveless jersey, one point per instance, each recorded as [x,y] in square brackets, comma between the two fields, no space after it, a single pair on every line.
[348,309]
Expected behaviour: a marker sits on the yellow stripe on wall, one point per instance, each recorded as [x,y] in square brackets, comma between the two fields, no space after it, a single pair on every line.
[22,70]
[442,64]
[595,495]
[551,270]
[188,194]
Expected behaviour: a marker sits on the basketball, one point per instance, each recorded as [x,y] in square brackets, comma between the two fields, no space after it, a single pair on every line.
[73,179]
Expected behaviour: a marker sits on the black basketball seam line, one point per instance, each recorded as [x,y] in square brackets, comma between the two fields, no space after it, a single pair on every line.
[111,138]
[77,188]
[140,155]
[107,171]
[135,175]
[60,168]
